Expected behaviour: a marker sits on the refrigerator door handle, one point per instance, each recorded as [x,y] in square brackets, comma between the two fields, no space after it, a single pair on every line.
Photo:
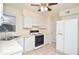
[59,33]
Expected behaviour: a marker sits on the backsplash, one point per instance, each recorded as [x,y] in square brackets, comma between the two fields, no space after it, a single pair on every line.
[8,34]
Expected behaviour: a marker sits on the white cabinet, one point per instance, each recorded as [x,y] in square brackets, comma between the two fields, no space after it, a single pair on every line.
[27,22]
[67,40]
[20,40]
[46,39]
[30,22]
[29,43]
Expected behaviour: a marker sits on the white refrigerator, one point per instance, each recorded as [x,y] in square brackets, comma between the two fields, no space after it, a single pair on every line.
[67,38]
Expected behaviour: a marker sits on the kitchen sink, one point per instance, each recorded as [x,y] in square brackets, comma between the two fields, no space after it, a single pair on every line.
[9,38]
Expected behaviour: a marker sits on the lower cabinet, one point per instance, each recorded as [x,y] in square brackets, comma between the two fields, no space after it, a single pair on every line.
[29,43]
[46,39]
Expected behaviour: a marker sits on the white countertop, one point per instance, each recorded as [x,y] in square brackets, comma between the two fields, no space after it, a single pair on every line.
[25,36]
[9,47]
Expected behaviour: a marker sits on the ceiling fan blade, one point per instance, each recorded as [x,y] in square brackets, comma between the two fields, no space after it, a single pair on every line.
[50,4]
[34,5]
[49,9]
[39,9]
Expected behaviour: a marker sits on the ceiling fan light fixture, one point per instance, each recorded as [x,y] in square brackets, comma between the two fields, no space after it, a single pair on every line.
[42,8]
[46,9]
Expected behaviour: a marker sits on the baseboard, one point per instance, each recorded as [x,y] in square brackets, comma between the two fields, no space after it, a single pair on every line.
[61,53]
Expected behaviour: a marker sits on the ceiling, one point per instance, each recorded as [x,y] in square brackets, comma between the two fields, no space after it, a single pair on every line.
[56,8]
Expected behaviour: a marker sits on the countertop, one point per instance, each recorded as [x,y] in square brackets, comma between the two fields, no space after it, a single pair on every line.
[26,36]
[9,47]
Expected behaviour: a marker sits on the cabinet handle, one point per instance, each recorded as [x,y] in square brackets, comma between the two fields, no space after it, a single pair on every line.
[59,33]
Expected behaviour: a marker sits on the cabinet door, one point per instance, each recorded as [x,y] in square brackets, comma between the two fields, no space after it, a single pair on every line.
[29,44]
[30,22]
[71,31]
[60,36]
[20,40]
[46,39]
[27,23]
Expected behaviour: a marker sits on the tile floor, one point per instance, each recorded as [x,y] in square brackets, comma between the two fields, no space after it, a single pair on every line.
[49,49]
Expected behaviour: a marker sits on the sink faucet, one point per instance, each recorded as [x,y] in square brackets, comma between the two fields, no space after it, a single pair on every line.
[5,32]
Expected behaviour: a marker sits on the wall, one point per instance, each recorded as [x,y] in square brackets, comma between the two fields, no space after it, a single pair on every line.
[52,18]
[10,10]
[49,31]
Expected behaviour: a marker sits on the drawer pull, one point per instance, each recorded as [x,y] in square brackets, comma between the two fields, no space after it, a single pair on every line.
[59,33]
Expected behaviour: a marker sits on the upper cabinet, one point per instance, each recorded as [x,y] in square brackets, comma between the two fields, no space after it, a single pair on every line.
[30,22]
[27,22]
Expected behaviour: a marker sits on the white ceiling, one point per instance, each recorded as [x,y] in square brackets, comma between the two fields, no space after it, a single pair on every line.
[57,8]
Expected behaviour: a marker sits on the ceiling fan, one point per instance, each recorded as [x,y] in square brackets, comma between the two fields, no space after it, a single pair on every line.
[44,6]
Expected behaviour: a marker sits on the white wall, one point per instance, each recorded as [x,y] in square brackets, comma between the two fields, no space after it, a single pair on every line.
[17,12]
[52,18]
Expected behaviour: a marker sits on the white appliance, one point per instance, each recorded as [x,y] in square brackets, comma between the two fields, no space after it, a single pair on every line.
[67,37]
[38,38]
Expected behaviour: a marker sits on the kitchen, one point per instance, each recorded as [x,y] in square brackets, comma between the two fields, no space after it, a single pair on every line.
[32,25]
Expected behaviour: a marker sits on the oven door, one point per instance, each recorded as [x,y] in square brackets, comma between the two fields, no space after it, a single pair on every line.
[39,40]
